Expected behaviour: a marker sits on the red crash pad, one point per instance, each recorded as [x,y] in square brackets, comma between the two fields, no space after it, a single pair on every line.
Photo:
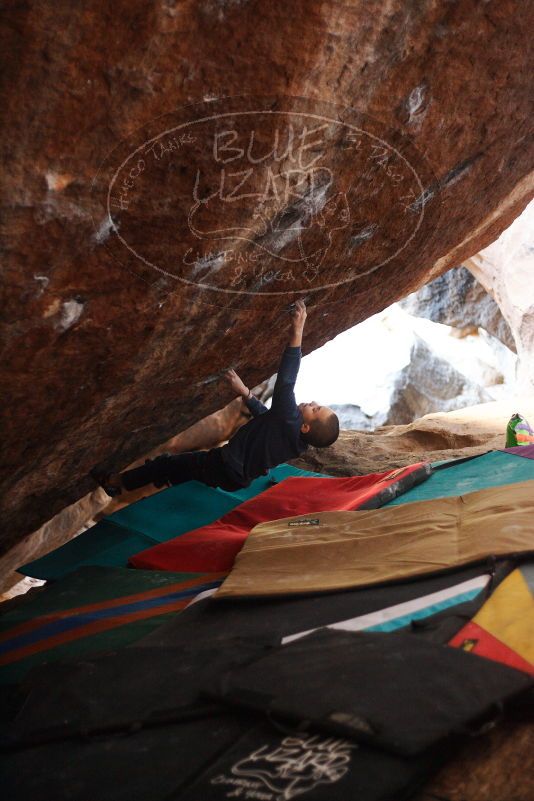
[213,548]
[476,639]
[503,628]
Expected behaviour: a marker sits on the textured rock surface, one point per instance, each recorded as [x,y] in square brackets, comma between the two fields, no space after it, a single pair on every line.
[445,435]
[64,526]
[351,416]
[458,299]
[428,383]
[210,432]
[506,270]
[106,358]
[492,767]
[413,367]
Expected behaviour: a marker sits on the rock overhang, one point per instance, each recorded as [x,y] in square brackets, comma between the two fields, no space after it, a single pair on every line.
[108,357]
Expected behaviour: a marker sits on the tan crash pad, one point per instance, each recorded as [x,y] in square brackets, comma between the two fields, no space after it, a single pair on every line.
[361,548]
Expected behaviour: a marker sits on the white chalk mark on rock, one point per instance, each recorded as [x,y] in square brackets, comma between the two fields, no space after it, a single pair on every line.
[457,173]
[363,235]
[417,104]
[56,181]
[43,283]
[420,202]
[104,229]
[211,264]
[71,311]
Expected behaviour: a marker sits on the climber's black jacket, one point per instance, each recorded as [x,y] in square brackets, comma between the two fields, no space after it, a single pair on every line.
[273,435]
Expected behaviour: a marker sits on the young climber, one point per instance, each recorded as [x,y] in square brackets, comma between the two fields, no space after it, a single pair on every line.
[271,437]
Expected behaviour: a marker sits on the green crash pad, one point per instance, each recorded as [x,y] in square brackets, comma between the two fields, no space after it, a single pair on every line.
[91,610]
[493,469]
[152,520]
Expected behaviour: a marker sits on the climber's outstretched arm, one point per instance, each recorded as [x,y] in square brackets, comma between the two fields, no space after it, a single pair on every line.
[239,387]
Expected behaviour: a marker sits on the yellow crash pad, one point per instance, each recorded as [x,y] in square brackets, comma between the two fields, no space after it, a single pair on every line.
[339,550]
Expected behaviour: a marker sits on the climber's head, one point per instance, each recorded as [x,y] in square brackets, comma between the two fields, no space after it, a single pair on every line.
[320,424]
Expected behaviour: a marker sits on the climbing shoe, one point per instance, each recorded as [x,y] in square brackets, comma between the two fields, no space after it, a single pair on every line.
[104,480]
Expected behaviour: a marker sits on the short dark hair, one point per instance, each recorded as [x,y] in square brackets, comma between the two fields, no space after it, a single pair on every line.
[323,433]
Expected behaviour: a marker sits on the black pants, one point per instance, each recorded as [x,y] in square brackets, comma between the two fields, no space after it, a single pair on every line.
[204,466]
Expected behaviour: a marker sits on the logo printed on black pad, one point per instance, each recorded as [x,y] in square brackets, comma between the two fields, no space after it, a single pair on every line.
[298,765]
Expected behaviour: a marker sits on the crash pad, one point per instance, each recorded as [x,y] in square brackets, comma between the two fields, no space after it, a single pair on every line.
[228,755]
[356,549]
[503,629]
[93,609]
[155,519]
[274,763]
[526,451]
[459,476]
[148,765]
[214,547]
[394,691]
[129,687]
[404,613]
[436,606]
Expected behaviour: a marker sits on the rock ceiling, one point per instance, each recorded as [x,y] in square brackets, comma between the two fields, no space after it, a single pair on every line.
[178,172]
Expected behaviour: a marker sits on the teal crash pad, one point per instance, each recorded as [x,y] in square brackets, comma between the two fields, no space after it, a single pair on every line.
[493,469]
[152,520]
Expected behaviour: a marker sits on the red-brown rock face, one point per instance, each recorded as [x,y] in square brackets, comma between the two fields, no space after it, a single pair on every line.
[152,244]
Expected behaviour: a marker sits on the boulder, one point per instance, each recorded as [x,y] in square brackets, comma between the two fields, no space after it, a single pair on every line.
[352,417]
[213,430]
[393,368]
[457,299]
[427,383]
[399,133]
[506,270]
[444,435]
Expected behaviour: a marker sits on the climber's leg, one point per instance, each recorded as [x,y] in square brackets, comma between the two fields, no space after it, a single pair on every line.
[165,470]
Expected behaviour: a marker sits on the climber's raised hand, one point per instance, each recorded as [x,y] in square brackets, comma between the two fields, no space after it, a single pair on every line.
[298,319]
[236,383]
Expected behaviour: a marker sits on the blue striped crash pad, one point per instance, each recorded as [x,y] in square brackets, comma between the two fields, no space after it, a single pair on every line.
[92,609]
